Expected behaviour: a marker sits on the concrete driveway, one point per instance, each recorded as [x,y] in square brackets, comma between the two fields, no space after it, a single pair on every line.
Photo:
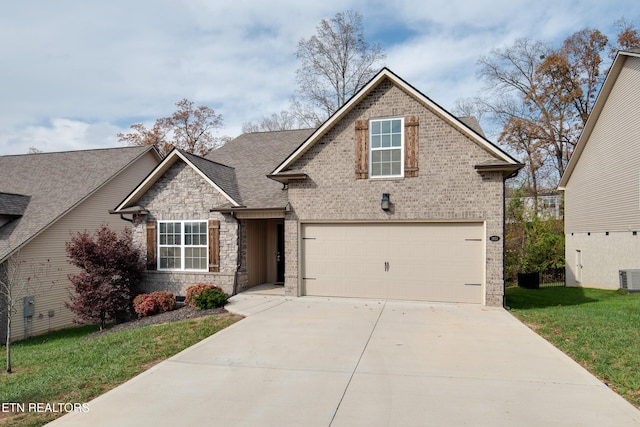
[353,362]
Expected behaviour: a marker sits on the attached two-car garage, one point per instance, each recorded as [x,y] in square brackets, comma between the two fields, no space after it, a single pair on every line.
[408,261]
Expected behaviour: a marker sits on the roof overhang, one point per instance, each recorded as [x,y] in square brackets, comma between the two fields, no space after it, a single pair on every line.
[133,210]
[508,170]
[285,177]
[253,213]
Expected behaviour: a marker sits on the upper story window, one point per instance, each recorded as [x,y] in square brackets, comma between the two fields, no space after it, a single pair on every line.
[387,148]
[182,245]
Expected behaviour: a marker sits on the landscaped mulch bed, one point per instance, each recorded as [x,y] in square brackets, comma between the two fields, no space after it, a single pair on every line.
[181,313]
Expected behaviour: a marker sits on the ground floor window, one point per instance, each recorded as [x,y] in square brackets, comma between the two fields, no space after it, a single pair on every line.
[182,245]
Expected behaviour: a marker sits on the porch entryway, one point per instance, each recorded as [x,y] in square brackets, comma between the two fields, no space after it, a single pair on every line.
[266,289]
[265,253]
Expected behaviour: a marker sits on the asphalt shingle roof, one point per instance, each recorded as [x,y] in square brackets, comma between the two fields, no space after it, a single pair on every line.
[13,204]
[254,156]
[54,183]
[224,176]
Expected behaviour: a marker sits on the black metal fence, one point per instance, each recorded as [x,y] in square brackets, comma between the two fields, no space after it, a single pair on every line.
[553,278]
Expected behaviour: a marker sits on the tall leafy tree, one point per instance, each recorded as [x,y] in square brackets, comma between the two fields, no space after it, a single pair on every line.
[190,128]
[542,97]
[334,64]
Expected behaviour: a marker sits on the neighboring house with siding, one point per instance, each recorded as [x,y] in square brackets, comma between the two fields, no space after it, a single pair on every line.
[392,197]
[45,198]
[549,204]
[602,183]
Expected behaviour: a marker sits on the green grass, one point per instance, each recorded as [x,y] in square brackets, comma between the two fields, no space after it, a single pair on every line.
[66,367]
[599,329]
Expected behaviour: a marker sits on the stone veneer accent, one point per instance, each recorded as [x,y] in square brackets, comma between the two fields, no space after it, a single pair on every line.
[448,188]
[183,194]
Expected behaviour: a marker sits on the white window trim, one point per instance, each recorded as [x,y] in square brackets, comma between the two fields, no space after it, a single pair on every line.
[182,246]
[401,148]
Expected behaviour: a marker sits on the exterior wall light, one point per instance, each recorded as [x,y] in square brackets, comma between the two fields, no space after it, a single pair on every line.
[384,204]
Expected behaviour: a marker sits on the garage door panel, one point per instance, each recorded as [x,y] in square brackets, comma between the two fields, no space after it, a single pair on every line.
[435,262]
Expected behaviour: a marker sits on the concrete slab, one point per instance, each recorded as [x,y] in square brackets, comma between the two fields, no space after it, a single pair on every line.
[248,304]
[351,362]
[308,334]
[463,340]
[406,400]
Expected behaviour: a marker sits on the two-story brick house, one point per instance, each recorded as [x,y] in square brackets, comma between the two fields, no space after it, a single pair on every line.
[392,197]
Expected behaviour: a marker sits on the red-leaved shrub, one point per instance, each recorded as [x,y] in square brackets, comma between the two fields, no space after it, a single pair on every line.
[110,271]
[197,289]
[154,303]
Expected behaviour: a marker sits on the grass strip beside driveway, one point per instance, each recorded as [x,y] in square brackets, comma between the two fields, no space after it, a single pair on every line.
[600,329]
[66,367]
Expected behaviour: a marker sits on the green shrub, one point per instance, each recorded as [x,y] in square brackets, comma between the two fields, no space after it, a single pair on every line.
[210,298]
[197,289]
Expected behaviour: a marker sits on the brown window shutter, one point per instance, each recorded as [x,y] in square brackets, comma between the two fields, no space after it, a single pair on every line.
[214,246]
[411,146]
[152,262]
[362,149]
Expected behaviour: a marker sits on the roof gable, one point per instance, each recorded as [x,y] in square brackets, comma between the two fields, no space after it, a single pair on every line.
[13,205]
[601,100]
[219,176]
[253,156]
[385,73]
[41,188]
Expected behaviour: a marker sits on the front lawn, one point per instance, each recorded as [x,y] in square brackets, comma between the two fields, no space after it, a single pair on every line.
[599,329]
[67,367]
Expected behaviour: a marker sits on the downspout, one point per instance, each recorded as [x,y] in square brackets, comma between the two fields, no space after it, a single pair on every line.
[239,263]
[504,234]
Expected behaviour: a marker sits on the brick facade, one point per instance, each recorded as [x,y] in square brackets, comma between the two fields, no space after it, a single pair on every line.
[443,186]
[447,187]
[182,194]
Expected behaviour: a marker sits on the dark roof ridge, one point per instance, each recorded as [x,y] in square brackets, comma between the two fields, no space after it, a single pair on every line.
[185,152]
[276,131]
[44,153]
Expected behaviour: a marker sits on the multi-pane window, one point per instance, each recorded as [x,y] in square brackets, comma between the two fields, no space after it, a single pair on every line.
[387,147]
[182,245]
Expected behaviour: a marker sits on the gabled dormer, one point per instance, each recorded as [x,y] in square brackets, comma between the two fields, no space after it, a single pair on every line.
[12,206]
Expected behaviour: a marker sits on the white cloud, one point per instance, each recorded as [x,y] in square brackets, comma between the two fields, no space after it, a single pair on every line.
[60,135]
[75,71]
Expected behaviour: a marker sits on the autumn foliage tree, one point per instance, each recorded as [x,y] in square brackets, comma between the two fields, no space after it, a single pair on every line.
[190,128]
[110,272]
[542,96]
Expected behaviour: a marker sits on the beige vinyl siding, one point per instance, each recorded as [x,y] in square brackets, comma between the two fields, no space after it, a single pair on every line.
[46,252]
[601,257]
[603,191]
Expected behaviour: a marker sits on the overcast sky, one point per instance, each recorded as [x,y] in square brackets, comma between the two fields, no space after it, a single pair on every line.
[75,73]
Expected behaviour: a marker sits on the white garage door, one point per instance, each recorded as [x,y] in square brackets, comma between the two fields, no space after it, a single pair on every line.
[410,261]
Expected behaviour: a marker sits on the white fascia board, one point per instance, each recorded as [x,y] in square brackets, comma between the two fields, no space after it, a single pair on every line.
[386,73]
[158,172]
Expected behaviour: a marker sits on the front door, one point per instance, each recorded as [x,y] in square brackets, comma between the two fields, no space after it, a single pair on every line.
[578,265]
[280,255]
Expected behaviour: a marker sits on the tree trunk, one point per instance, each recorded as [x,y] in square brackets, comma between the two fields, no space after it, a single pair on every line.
[8,339]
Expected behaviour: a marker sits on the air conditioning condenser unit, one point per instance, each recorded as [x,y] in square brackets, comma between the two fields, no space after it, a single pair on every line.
[630,280]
